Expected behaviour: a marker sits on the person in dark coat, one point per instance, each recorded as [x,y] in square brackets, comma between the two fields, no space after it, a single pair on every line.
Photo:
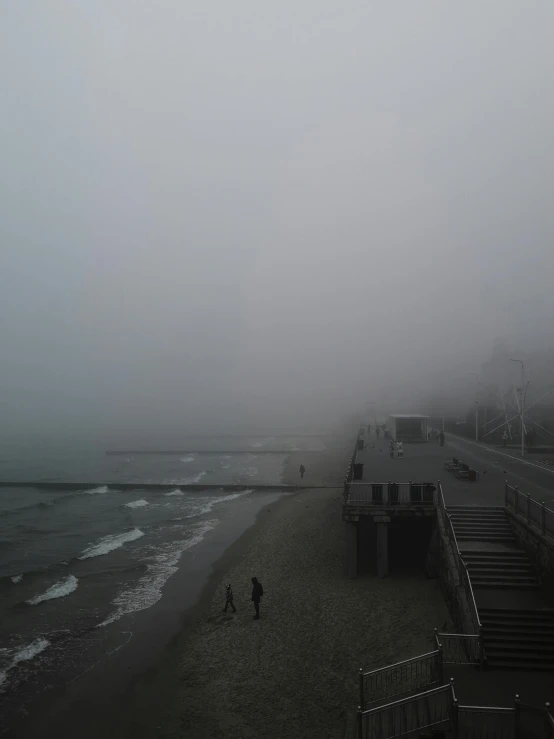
[229,598]
[302,471]
[441,438]
[257,592]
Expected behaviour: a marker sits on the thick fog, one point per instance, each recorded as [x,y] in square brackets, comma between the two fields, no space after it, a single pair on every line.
[231,210]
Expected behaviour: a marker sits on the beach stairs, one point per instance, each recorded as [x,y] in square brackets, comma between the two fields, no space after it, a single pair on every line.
[518,633]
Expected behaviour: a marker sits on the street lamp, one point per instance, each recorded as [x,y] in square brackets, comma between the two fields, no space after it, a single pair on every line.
[476,406]
[521,407]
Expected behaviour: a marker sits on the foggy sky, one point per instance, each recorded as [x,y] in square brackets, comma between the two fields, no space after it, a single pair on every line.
[212,206]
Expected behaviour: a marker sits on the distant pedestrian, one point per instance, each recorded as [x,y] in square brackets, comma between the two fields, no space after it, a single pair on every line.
[441,438]
[302,471]
[257,592]
[368,429]
[377,431]
[399,450]
[229,598]
[391,449]
[504,439]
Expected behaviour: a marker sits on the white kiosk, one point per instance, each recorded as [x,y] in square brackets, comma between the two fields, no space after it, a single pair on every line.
[408,427]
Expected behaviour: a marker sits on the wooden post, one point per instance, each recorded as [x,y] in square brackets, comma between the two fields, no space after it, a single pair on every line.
[360,723]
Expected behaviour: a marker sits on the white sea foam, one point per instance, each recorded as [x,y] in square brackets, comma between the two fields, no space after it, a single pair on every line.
[58,590]
[98,491]
[174,493]
[137,503]
[202,506]
[111,542]
[148,589]
[195,479]
[252,472]
[11,658]
[187,459]
[16,578]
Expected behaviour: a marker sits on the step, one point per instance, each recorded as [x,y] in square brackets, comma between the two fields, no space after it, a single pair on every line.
[528,612]
[508,554]
[496,585]
[495,663]
[516,622]
[536,652]
[486,537]
[475,508]
[500,572]
[519,640]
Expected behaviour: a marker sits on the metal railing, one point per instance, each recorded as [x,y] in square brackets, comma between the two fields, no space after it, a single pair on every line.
[412,674]
[535,513]
[415,713]
[467,649]
[392,493]
[459,649]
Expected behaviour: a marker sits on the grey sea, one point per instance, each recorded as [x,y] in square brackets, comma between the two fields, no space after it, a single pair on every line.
[83,570]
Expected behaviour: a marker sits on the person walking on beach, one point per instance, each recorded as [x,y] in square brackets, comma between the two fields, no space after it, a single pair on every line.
[377,431]
[229,598]
[302,471]
[441,438]
[257,592]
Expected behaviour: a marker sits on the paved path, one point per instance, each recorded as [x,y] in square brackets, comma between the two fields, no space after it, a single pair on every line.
[425,462]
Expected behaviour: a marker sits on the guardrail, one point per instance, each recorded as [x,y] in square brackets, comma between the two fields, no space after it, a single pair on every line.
[391,493]
[465,581]
[459,649]
[535,513]
[415,713]
[439,707]
[411,674]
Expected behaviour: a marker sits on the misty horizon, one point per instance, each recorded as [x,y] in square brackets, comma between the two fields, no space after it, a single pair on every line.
[216,216]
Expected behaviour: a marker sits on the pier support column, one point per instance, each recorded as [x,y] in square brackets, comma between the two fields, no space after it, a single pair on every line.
[382,529]
[351,554]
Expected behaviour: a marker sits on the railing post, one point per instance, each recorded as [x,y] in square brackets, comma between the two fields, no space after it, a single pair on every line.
[360,724]
[481,650]
[543,518]
[547,720]
[528,508]
[454,710]
[506,493]
[441,663]
[361,684]
[517,717]
[516,499]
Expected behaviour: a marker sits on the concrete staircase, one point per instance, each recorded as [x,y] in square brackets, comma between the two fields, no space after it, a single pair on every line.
[500,569]
[479,523]
[518,639]
[516,635]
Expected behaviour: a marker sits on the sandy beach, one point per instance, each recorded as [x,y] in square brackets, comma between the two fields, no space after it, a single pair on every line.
[293,672]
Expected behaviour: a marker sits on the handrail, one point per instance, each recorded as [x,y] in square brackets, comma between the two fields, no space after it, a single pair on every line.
[529,502]
[462,567]
[399,664]
[384,707]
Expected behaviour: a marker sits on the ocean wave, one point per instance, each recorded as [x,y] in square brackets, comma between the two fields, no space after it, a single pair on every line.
[137,503]
[187,459]
[148,589]
[10,658]
[206,506]
[111,542]
[58,590]
[174,493]
[195,479]
[98,491]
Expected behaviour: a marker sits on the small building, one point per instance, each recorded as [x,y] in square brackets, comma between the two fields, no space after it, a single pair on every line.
[408,427]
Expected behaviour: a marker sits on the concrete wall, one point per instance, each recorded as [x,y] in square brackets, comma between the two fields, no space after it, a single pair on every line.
[539,548]
[452,588]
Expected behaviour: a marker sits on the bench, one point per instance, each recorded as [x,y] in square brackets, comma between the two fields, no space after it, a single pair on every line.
[467,473]
[451,466]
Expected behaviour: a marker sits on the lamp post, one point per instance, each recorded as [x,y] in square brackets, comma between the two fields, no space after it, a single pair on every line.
[476,407]
[521,407]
